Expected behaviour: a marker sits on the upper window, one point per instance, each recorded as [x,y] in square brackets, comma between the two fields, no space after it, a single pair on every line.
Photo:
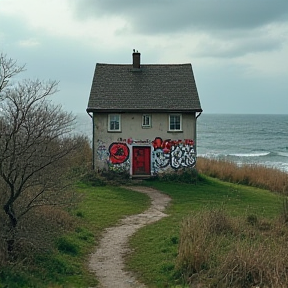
[146,120]
[175,122]
[114,122]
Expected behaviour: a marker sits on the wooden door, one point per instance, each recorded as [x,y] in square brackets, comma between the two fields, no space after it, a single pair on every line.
[141,160]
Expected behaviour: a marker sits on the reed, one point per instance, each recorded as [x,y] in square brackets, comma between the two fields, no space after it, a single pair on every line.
[253,175]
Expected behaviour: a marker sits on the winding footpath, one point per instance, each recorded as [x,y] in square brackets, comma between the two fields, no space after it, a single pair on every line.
[108,260]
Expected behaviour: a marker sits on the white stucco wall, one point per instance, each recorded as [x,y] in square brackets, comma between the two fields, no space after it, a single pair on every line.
[131,128]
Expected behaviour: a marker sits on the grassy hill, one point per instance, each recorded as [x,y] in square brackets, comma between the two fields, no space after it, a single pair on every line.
[208,220]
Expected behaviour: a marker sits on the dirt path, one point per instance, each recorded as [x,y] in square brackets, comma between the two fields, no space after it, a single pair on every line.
[107,262]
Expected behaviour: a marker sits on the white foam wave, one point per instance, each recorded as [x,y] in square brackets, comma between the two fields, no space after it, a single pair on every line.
[284,154]
[255,154]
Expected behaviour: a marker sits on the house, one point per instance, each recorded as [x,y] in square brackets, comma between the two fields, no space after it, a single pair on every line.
[144,117]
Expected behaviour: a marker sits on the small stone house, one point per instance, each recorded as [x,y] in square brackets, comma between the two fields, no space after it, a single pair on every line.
[144,117]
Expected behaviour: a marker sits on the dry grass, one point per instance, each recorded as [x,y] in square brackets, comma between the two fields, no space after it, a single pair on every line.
[252,175]
[220,251]
[36,232]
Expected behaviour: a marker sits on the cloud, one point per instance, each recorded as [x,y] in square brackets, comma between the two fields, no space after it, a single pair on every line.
[206,28]
[29,43]
[166,16]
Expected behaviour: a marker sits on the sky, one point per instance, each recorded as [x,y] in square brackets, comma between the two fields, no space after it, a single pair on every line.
[238,49]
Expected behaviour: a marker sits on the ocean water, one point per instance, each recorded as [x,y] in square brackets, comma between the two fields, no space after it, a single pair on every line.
[243,139]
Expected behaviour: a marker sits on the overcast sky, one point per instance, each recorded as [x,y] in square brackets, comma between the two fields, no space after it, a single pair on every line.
[238,49]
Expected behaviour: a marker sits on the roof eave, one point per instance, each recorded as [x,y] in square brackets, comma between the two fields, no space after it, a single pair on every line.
[155,110]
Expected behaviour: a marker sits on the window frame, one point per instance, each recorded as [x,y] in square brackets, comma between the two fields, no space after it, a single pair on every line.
[110,119]
[180,120]
[144,116]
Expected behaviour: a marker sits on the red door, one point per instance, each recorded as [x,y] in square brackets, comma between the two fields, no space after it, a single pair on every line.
[141,160]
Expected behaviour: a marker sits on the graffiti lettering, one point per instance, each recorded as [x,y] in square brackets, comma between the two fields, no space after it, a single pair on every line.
[177,153]
[182,155]
[161,159]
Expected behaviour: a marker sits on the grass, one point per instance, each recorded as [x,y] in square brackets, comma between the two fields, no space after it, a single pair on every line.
[218,250]
[65,265]
[161,250]
[156,246]
[251,175]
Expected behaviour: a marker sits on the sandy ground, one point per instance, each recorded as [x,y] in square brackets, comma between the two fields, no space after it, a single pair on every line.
[108,260]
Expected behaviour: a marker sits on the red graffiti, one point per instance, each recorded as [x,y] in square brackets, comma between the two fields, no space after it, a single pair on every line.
[118,153]
[166,145]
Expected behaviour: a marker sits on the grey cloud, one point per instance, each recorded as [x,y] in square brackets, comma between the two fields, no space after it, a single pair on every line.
[238,45]
[240,22]
[173,16]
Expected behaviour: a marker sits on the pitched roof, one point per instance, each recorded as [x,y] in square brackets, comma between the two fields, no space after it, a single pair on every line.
[169,87]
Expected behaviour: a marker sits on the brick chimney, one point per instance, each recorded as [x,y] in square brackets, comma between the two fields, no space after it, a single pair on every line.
[136,59]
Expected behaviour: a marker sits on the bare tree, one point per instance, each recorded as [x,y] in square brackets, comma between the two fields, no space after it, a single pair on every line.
[8,69]
[35,141]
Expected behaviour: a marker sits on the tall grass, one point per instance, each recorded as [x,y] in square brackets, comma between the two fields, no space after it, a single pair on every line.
[252,175]
[218,250]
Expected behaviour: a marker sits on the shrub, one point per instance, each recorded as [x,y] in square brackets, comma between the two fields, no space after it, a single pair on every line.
[189,176]
[93,178]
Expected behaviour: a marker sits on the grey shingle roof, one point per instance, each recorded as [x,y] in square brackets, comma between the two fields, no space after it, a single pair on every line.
[169,87]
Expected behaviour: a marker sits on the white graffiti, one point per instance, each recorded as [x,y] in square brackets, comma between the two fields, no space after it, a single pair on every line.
[161,160]
[182,156]
[102,152]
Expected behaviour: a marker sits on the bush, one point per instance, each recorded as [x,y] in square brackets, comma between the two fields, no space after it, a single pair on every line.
[93,178]
[189,176]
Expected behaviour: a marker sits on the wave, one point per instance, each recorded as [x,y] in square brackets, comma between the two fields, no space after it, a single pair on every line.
[243,155]
[284,154]
[255,154]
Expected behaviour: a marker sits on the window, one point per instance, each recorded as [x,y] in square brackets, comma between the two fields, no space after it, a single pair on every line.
[175,122]
[146,120]
[114,122]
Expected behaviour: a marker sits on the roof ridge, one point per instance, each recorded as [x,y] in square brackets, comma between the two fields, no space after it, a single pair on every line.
[168,64]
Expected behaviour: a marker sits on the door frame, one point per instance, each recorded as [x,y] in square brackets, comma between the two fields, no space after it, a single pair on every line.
[132,160]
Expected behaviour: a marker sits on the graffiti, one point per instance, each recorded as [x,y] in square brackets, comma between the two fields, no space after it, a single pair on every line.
[177,153]
[102,152]
[161,160]
[122,167]
[167,153]
[182,156]
[161,155]
[118,153]
[131,141]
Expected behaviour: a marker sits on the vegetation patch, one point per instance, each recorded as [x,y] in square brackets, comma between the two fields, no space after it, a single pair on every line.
[157,252]
[218,250]
[251,175]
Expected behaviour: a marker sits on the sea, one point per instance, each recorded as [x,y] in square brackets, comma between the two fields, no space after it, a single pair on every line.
[240,138]
[244,139]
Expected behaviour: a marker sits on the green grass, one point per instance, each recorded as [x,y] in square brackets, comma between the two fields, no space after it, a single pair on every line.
[156,246]
[67,265]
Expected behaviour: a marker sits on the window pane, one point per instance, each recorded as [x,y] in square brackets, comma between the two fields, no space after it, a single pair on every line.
[174,122]
[114,122]
[146,120]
